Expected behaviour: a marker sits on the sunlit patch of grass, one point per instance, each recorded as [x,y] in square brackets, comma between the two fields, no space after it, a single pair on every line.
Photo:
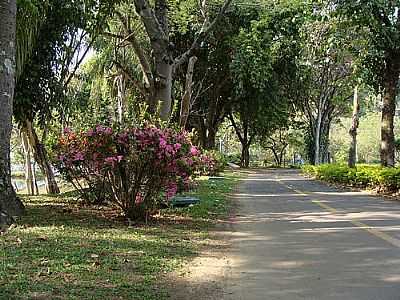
[61,250]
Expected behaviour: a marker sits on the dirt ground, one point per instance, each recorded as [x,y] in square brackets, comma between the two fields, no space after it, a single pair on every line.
[204,277]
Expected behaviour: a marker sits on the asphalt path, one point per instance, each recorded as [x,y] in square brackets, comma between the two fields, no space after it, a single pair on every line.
[296,238]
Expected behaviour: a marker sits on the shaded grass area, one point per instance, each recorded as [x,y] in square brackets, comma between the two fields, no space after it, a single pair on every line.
[61,250]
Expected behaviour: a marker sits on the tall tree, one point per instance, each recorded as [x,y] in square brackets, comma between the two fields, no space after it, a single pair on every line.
[10,205]
[49,56]
[379,22]
[264,72]
[326,69]
[158,67]
[353,130]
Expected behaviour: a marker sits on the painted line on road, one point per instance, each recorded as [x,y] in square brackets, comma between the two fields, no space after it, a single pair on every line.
[379,234]
[361,225]
[325,206]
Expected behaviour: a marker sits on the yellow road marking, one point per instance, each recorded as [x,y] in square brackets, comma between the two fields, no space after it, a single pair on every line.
[379,234]
[325,206]
[391,240]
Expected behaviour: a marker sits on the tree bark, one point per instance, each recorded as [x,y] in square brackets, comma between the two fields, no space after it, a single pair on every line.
[185,104]
[317,146]
[121,98]
[245,159]
[28,164]
[353,130]
[36,188]
[211,137]
[10,205]
[276,156]
[164,90]
[392,73]
[157,29]
[41,157]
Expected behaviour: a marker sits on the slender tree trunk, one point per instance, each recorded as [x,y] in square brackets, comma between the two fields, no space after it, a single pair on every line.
[121,98]
[211,137]
[28,164]
[276,156]
[185,104]
[317,147]
[353,130]
[245,159]
[202,132]
[35,185]
[10,205]
[282,157]
[164,91]
[392,73]
[41,158]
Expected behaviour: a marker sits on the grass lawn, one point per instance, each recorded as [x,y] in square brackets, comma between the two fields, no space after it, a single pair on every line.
[61,250]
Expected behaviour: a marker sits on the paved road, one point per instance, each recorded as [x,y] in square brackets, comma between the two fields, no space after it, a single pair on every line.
[296,238]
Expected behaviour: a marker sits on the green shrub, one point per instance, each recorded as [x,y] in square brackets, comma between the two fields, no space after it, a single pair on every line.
[384,179]
[212,162]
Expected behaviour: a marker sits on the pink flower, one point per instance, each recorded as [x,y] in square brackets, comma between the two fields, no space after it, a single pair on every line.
[194,151]
[139,199]
[170,149]
[171,190]
[108,130]
[163,142]
[78,156]
[67,130]
[123,138]
[111,160]
[90,132]
[189,161]
[177,146]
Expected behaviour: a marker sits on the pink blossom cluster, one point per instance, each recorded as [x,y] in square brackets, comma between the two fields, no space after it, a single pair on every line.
[136,164]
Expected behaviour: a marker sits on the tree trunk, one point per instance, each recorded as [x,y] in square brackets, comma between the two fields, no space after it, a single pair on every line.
[282,157]
[28,164]
[35,185]
[41,158]
[164,90]
[121,98]
[317,146]
[185,104]
[276,156]
[245,159]
[392,73]
[210,140]
[10,205]
[353,130]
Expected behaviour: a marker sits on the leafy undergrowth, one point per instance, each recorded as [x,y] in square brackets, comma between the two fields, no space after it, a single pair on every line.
[60,250]
[372,176]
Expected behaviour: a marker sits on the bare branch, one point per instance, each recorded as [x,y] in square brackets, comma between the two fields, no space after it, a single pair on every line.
[204,31]
[135,82]
[185,103]
[143,61]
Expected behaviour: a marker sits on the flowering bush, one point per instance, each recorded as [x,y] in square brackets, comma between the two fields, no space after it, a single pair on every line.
[211,163]
[137,168]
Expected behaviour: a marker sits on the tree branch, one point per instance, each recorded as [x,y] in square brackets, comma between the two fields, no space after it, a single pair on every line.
[135,82]
[204,31]
[143,61]
[150,21]
[237,130]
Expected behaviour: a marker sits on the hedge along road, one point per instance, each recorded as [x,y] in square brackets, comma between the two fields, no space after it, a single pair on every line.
[295,238]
